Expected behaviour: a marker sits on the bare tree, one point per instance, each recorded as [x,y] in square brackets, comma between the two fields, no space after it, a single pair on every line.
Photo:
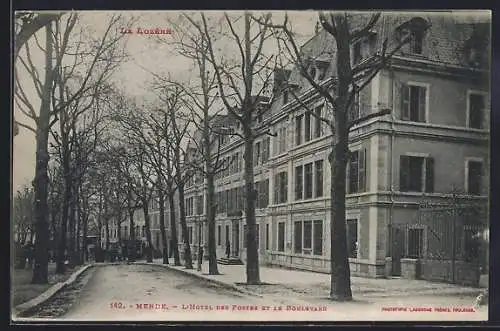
[346,81]
[199,98]
[241,88]
[179,124]
[63,84]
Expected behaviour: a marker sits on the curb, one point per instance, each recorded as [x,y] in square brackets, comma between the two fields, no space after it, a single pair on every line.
[215,281]
[49,293]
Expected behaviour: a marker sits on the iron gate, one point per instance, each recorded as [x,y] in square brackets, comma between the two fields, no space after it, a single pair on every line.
[446,240]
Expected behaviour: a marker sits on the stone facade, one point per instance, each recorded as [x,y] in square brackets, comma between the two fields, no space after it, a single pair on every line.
[294,228]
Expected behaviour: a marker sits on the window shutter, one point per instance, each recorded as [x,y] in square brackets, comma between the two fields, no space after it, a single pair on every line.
[405,102]
[429,174]
[348,175]
[404,173]
[421,104]
[362,170]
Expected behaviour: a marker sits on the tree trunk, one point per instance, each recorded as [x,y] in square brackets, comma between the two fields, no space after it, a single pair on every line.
[340,272]
[40,270]
[62,247]
[188,261]
[132,250]
[78,249]
[149,250]
[210,205]
[106,224]
[161,200]
[211,210]
[85,255]
[72,228]
[173,229]
[252,270]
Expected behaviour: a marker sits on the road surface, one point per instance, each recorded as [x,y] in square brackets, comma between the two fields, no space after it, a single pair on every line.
[139,292]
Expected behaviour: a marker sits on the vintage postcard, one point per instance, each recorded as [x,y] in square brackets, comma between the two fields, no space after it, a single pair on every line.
[251,166]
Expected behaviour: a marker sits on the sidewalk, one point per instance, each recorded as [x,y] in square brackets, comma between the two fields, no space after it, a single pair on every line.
[295,283]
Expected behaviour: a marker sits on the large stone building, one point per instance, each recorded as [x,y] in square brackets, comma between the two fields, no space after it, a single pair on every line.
[433,147]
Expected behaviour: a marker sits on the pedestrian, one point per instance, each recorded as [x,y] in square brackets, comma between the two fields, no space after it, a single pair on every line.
[200,257]
[228,249]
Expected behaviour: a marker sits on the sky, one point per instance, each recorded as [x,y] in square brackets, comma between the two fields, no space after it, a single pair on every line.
[146,56]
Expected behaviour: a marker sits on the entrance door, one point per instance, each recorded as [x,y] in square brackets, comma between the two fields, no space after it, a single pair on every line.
[397,250]
[227,235]
[237,239]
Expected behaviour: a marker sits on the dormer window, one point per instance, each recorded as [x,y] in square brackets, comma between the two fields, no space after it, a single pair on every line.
[356,52]
[322,73]
[363,48]
[285,97]
[473,57]
[416,41]
[414,30]
[312,72]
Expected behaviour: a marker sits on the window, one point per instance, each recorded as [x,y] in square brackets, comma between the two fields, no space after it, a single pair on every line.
[352,238]
[219,235]
[189,206]
[312,72]
[414,103]
[307,126]
[298,182]
[319,178]
[237,162]
[297,237]
[476,110]
[298,130]
[267,236]
[157,240]
[308,237]
[190,234]
[308,176]
[281,236]
[474,176]
[318,124]
[265,149]
[199,205]
[263,193]
[257,154]
[355,110]
[285,96]
[356,53]
[318,237]
[322,73]
[474,56]
[416,174]
[280,139]
[357,172]
[125,232]
[415,243]
[416,41]
[281,184]
[143,231]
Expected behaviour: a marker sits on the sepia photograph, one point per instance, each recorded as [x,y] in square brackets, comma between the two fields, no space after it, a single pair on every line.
[183,166]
